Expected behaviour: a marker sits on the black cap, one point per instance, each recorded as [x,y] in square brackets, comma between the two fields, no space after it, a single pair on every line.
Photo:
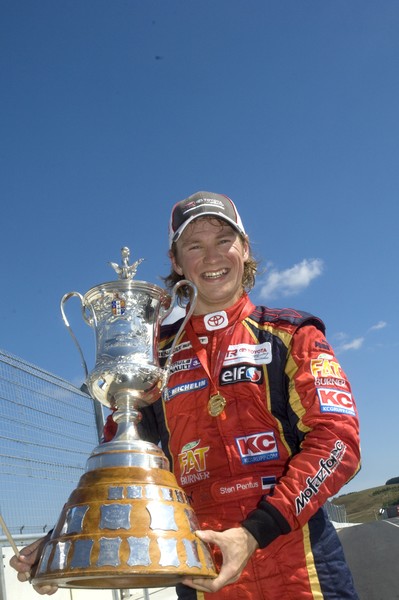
[201,204]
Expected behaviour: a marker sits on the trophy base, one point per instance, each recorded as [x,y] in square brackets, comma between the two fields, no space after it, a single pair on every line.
[125,527]
[113,581]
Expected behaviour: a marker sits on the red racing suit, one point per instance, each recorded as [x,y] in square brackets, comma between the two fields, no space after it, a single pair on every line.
[286,441]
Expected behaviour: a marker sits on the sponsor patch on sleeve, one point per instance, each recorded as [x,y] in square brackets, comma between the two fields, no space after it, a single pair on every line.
[327,468]
[335,401]
[323,345]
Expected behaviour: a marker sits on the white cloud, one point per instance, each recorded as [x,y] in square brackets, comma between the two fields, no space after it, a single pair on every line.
[340,336]
[291,281]
[358,342]
[379,325]
[355,344]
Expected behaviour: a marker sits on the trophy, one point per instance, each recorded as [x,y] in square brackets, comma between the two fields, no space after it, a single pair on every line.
[127,524]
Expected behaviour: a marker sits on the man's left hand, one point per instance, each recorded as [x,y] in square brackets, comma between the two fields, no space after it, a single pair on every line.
[236,545]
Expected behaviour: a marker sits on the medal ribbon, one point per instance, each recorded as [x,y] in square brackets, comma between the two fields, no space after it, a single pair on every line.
[201,352]
[202,355]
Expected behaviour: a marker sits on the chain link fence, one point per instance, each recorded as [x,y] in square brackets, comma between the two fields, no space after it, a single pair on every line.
[48,430]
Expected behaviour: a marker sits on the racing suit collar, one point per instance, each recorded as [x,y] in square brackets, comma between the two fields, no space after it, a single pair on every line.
[240,310]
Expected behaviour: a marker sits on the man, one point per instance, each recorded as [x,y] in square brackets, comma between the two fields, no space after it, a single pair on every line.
[264,429]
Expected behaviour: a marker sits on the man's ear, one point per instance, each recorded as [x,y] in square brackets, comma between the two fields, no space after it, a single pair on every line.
[245,250]
[175,266]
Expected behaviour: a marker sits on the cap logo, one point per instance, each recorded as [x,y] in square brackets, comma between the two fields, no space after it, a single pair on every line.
[216,320]
[202,204]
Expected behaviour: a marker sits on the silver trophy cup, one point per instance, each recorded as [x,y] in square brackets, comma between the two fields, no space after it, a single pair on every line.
[127,524]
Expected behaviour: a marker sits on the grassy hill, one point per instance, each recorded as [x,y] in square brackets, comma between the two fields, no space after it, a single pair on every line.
[363,507]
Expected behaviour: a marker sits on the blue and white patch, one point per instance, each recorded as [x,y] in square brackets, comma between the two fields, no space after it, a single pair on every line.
[191,386]
[241,374]
[268,483]
[187,364]
[257,447]
[336,401]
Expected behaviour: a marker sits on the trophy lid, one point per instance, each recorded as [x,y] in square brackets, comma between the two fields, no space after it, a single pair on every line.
[126,271]
[125,283]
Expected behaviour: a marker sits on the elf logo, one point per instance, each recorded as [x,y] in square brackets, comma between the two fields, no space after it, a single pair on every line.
[335,401]
[258,447]
[241,373]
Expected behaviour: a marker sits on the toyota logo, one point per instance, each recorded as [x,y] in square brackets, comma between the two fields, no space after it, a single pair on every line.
[216,320]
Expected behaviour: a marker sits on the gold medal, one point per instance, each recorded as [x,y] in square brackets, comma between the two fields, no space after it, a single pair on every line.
[216,405]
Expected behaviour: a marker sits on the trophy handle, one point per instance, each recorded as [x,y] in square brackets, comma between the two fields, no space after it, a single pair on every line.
[87,317]
[193,301]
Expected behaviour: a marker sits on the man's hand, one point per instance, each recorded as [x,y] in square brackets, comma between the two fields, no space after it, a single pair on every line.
[236,545]
[25,565]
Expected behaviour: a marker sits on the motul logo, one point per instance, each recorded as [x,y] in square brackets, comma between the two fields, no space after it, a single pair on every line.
[335,401]
[258,447]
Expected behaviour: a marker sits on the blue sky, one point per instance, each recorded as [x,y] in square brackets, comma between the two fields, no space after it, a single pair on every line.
[111,111]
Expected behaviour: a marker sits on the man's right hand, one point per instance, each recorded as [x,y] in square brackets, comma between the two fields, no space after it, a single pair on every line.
[25,564]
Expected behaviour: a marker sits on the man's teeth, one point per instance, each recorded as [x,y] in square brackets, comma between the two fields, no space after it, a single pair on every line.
[215,274]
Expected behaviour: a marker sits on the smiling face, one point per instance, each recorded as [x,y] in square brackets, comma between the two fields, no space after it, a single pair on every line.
[211,254]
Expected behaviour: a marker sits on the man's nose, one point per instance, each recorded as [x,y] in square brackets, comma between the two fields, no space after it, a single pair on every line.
[211,254]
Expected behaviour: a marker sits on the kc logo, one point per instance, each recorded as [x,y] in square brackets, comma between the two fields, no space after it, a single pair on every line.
[216,320]
[258,447]
[335,401]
